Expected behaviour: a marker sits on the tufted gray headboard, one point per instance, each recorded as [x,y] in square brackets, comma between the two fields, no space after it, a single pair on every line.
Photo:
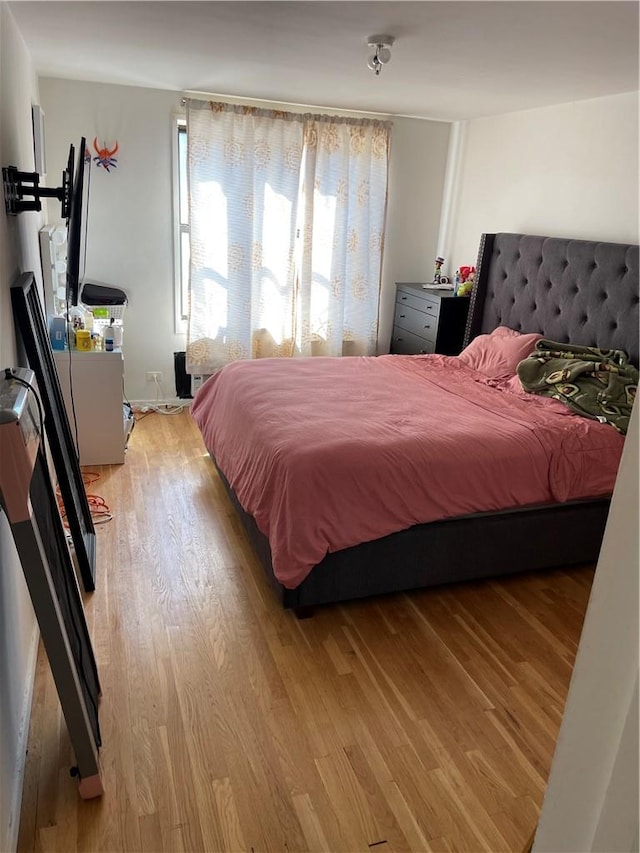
[577,291]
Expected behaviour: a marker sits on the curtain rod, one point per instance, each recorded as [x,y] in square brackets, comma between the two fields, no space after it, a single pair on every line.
[287,105]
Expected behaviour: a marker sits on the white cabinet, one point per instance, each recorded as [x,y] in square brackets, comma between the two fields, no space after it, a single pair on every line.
[96,378]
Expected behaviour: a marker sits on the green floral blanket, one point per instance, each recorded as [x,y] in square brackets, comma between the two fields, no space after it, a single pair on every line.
[600,384]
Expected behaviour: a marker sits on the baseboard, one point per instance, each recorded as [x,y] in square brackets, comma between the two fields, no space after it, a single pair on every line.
[13,828]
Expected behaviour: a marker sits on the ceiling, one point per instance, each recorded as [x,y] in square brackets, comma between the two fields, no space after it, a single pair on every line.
[451,60]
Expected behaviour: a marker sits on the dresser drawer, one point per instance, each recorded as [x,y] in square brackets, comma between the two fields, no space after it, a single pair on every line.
[427,320]
[406,343]
[424,325]
[429,306]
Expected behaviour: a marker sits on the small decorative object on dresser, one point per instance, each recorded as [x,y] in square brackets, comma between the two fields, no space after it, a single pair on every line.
[428,321]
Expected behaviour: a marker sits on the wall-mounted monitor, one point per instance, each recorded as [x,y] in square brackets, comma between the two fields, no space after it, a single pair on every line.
[77,221]
[22,192]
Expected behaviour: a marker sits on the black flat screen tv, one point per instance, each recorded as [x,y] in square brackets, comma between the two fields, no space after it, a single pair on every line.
[76,220]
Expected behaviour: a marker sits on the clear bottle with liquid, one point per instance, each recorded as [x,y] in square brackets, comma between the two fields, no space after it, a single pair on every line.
[108,337]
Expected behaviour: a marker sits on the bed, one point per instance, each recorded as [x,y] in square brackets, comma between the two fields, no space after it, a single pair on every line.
[431,529]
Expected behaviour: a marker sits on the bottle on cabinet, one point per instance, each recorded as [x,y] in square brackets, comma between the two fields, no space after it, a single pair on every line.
[108,337]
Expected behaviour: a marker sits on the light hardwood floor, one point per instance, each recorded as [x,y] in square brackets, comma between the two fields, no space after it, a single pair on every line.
[411,722]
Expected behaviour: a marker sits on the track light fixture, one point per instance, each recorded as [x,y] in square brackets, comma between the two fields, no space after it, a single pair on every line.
[382,53]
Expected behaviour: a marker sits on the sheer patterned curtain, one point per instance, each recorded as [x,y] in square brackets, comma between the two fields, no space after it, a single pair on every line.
[244,180]
[343,208]
[286,218]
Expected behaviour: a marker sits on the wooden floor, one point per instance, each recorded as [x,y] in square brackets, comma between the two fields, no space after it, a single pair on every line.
[412,722]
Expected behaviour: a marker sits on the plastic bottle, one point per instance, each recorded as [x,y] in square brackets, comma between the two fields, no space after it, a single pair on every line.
[81,318]
[108,338]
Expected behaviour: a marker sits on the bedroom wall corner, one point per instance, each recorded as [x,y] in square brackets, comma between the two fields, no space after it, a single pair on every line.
[452,188]
[19,251]
[565,171]
[417,172]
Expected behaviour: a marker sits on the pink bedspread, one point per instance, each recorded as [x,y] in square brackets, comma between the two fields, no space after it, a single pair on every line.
[326,453]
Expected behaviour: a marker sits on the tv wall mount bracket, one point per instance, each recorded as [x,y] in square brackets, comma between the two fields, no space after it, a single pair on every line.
[22,191]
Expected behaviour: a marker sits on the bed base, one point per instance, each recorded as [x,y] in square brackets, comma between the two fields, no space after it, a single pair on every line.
[457,549]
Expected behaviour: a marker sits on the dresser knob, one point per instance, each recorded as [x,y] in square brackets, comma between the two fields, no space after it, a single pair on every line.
[427,326]
[402,316]
[404,297]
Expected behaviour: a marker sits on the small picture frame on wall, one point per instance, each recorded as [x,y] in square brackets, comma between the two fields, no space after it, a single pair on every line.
[37,117]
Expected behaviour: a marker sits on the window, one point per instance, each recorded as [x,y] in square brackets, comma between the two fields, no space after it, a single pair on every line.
[181,219]
[287,213]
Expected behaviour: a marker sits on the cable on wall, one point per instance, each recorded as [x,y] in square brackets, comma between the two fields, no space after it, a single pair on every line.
[68,306]
[166,409]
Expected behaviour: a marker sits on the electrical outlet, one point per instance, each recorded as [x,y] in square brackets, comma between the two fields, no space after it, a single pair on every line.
[154,376]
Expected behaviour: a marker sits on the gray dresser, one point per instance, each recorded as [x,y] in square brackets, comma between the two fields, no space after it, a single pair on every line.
[428,321]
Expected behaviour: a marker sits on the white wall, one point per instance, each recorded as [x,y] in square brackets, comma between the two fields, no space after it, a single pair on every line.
[591,801]
[416,180]
[130,231]
[18,253]
[565,171]
[130,241]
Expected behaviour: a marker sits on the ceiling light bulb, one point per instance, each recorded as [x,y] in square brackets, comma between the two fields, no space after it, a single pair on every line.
[382,54]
